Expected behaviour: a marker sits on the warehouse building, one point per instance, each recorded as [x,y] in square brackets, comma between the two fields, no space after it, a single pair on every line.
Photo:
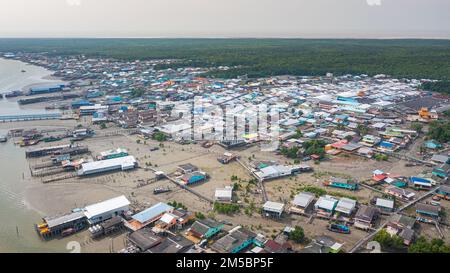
[115,164]
[91,109]
[46,89]
[105,210]
[61,225]
[115,153]
[148,216]
[277,171]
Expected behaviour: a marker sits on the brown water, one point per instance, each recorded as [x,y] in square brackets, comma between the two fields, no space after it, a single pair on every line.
[17,221]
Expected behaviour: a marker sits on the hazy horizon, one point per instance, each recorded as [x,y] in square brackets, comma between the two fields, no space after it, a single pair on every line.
[367,19]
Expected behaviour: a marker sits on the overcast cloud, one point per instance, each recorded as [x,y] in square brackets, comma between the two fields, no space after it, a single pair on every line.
[226,18]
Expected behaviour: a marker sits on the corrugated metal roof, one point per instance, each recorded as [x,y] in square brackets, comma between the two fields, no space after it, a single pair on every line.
[303,199]
[386,203]
[152,212]
[106,206]
[273,206]
[104,164]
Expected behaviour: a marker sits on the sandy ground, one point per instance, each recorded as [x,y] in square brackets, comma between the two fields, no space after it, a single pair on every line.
[62,196]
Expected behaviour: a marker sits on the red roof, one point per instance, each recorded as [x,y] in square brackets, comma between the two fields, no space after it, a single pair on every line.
[275,247]
[379,177]
[339,144]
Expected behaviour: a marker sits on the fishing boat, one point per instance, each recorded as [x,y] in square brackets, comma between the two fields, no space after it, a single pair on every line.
[29,142]
[51,139]
[13,94]
[161,190]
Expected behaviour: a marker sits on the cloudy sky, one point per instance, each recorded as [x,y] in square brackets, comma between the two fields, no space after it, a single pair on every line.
[226,18]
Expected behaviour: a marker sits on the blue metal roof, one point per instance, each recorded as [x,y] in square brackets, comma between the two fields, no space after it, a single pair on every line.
[386,144]
[152,212]
[419,179]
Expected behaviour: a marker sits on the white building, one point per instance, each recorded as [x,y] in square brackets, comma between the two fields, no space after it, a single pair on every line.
[273,209]
[89,110]
[115,164]
[272,172]
[105,210]
[224,194]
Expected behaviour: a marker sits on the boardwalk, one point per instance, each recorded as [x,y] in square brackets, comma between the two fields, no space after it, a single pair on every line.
[201,196]
[11,118]
[260,183]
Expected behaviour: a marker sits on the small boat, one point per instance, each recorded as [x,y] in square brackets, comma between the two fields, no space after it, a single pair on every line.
[23,71]
[161,190]
[29,142]
[13,94]
[51,139]
[3,138]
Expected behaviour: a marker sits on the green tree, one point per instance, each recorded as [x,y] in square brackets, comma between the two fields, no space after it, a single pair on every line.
[136,93]
[297,235]
[314,147]
[362,129]
[228,209]
[387,241]
[199,215]
[416,126]
[439,131]
[290,152]
[158,136]
[422,245]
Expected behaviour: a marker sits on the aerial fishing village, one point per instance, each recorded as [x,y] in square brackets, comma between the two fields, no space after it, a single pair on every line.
[360,159]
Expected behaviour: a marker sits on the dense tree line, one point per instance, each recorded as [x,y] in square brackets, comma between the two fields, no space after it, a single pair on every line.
[265,57]
[422,245]
[439,131]
[228,209]
[436,86]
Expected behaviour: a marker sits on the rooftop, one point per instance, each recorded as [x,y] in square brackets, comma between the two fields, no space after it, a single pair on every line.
[106,206]
[152,212]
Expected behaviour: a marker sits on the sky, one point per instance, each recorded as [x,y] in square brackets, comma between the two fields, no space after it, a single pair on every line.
[226,18]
